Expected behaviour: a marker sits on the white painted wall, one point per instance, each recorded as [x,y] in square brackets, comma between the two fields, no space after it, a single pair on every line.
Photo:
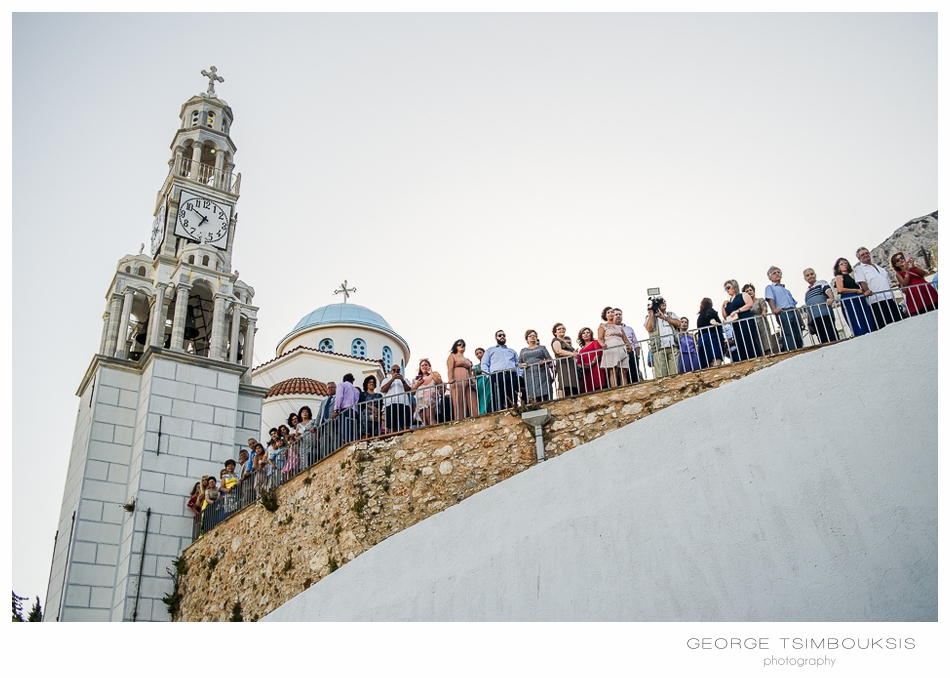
[804,492]
[343,336]
[204,414]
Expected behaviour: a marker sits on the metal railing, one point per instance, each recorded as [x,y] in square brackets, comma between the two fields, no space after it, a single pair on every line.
[590,369]
[223,180]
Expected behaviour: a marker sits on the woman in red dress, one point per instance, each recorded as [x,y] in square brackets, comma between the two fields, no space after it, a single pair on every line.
[920,295]
[588,360]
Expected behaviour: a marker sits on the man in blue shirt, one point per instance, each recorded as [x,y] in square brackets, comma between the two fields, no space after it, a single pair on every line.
[501,364]
[783,306]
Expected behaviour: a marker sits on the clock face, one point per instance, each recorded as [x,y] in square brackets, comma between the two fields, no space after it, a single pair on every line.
[158,229]
[203,220]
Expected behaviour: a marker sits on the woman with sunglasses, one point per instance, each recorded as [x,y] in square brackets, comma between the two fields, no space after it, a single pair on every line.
[588,359]
[461,384]
[738,311]
[920,296]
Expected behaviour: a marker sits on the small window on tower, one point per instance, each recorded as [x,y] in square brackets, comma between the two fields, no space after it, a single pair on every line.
[191,259]
[128,269]
[210,122]
[325,345]
[142,271]
[204,260]
[194,117]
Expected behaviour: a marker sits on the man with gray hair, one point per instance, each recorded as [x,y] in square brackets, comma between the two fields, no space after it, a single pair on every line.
[876,284]
[783,306]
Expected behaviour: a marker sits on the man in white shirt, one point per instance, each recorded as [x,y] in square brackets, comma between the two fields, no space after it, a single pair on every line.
[395,390]
[876,284]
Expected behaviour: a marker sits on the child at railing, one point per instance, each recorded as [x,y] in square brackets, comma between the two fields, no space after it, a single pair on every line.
[260,466]
[209,511]
[291,451]
[229,481]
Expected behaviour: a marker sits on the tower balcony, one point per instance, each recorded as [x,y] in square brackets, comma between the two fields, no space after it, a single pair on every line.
[224,180]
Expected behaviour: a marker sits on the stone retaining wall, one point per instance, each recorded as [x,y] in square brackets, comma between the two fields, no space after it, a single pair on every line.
[368,491]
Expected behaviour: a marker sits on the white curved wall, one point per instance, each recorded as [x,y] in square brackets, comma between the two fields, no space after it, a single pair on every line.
[804,492]
[343,336]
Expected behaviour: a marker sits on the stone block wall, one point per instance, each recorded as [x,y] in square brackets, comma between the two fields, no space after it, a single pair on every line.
[145,431]
[368,491]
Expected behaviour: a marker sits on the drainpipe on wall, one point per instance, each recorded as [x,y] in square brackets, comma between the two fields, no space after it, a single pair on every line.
[537,419]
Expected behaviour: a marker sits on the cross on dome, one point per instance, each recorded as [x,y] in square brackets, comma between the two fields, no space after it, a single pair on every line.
[345,291]
[212,76]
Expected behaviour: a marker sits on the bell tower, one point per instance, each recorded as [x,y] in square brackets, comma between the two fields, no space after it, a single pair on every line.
[167,398]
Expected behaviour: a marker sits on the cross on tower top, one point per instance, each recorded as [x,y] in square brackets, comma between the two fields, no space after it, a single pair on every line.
[212,76]
[345,291]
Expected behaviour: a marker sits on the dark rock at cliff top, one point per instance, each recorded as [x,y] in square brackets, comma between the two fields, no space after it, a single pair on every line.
[917,238]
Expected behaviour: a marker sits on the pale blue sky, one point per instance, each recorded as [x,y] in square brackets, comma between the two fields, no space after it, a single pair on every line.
[465,172]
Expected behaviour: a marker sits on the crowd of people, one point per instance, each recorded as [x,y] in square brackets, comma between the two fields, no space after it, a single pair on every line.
[745,327]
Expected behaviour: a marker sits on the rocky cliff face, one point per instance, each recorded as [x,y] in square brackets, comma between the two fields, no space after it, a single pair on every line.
[916,238]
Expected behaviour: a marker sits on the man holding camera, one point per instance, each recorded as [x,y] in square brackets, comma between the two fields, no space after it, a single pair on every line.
[395,390]
[664,340]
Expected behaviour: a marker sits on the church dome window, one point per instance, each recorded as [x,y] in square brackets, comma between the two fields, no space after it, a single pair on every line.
[358,348]
[387,358]
[325,345]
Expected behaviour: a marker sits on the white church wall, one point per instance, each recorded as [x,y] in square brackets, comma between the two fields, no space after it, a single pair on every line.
[343,336]
[803,492]
[320,366]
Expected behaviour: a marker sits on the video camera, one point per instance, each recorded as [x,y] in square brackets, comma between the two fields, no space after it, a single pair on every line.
[655,299]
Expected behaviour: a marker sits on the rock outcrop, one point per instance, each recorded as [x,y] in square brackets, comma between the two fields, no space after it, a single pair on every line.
[916,238]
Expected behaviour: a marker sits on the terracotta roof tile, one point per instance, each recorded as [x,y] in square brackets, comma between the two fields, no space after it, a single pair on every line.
[298,386]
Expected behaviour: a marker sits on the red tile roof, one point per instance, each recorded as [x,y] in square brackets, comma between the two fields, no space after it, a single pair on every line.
[298,385]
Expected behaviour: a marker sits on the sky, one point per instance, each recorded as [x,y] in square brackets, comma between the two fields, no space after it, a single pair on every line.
[465,172]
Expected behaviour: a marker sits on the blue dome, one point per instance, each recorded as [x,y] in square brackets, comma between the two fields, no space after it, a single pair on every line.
[350,314]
